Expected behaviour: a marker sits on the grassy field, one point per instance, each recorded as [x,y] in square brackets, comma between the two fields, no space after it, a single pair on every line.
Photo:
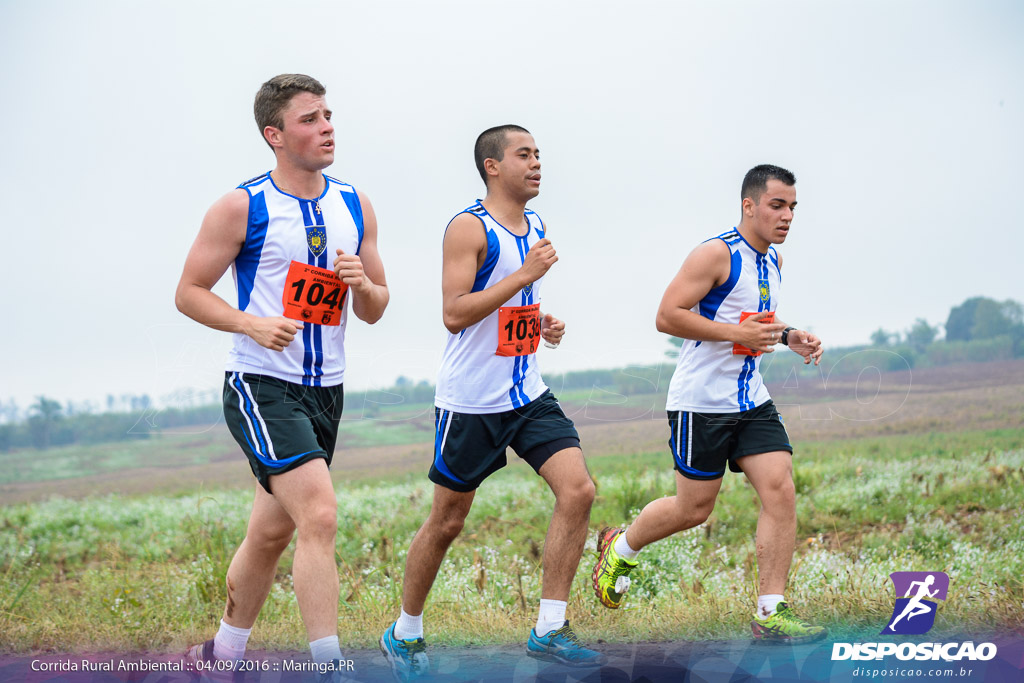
[113,571]
[88,571]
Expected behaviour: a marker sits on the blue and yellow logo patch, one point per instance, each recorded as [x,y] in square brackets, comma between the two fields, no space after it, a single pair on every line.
[765,291]
[316,239]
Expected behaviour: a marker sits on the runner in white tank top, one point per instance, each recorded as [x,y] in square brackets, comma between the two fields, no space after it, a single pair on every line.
[301,245]
[490,397]
[722,304]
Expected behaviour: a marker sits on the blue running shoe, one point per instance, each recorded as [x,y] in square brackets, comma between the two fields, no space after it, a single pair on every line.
[408,658]
[562,646]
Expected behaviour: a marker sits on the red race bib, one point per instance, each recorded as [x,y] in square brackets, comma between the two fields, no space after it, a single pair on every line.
[518,330]
[739,349]
[313,295]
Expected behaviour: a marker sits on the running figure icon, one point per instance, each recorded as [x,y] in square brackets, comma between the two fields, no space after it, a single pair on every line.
[914,612]
[915,607]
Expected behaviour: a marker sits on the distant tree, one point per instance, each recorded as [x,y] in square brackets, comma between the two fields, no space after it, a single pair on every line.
[881,337]
[8,411]
[43,417]
[424,392]
[983,318]
[675,344]
[921,334]
[993,319]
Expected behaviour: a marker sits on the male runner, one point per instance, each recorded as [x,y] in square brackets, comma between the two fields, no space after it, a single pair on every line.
[722,303]
[299,243]
[490,396]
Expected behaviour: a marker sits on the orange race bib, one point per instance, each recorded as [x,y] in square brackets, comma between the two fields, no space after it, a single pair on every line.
[518,330]
[313,295]
[740,349]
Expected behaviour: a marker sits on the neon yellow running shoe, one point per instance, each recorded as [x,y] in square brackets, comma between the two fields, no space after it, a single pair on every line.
[611,573]
[785,627]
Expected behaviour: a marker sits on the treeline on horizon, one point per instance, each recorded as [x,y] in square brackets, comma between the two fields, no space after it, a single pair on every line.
[978,330]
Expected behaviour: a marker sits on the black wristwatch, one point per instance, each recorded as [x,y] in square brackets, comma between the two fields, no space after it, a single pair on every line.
[785,335]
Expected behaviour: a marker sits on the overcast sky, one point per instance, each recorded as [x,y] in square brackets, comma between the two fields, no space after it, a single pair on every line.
[124,121]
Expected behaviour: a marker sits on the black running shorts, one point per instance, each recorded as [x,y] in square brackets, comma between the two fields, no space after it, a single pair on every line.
[704,443]
[281,425]
[469,447]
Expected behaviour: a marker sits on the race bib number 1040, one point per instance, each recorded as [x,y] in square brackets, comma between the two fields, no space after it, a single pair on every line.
[313,295]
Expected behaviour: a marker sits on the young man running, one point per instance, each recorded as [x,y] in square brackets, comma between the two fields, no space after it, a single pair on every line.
[490,396]
[722,303]
[301,245]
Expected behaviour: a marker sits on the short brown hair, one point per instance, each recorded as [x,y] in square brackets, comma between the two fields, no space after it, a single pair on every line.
[274,95]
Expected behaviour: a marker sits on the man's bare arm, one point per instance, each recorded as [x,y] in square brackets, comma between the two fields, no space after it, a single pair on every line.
[364,274]
[220,239]
[465,245]
[705,268]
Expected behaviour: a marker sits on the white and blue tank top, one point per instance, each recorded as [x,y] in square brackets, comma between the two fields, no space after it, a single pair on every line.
[709,377]
[283,228]
[473,379]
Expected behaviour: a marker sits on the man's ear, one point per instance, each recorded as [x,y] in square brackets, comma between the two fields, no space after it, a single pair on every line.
[272,135]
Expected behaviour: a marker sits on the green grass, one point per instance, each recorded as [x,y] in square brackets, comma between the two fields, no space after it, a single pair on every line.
[114,571]
[401,429]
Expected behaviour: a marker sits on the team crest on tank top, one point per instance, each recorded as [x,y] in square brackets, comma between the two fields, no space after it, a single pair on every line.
[316,239]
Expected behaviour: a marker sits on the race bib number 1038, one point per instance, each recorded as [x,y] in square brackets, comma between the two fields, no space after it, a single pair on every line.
[518,330]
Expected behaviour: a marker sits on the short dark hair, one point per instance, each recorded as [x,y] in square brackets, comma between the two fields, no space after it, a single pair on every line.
[273,97]
[756,180]
[491,145]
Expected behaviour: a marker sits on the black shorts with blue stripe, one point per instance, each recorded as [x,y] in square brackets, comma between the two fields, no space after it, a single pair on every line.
[470,447]
[281,425]
[703,444]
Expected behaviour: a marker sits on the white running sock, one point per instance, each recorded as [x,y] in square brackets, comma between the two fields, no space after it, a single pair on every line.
[325,650]
[623,549]
[551,616]
[230,641]
[766,605]
[409,627]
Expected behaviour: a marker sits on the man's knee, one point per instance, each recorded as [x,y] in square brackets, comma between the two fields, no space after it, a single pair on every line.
[448,528]
[779,494]
[272,540]
[690,514]
[579,495]
[320,520]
